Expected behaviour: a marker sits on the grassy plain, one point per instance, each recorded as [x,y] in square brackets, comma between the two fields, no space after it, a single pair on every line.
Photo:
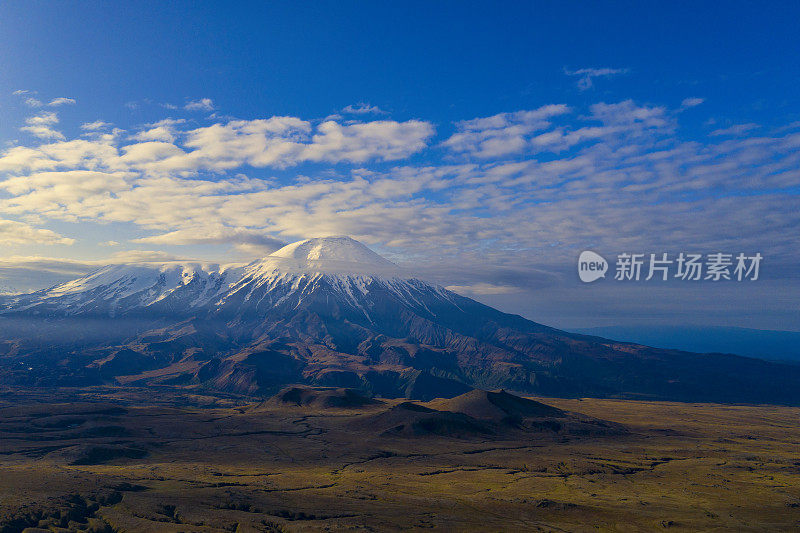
[128,459]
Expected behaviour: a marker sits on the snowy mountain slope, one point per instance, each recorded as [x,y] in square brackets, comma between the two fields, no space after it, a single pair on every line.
[341,268]
[340,265]
[117,289]
[330,311]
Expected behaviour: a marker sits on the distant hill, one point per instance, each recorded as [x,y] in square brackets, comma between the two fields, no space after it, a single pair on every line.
[764,344]
[484,414]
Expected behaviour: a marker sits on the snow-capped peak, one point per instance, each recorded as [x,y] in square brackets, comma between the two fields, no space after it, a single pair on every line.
[328,255]
[340,249]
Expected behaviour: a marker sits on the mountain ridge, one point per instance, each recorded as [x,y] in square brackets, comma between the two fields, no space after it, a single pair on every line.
[314,315]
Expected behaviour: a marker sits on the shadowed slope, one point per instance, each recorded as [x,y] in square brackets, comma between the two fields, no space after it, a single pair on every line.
[412,420]
[478,413]
[496,406]
[321,398]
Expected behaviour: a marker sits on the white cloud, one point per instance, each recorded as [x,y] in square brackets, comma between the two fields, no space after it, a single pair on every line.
[586,76]
[109,243]
[20,92]
[736,130]
[262,142]
[502,134]
[616,176]
[275,142]
[16,233]
[45,119]
[33,102]
[529,187]
[204,104]
[163,130]
[167,123]
[691,102]
[286,141]
[68,195]
[630,115]
[61,101]
[383,139]
[215,234]
[363,108]
[508,134]
[94,126]
[159,133]
[40,126]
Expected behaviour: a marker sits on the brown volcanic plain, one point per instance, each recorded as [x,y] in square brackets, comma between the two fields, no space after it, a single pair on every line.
[314,459]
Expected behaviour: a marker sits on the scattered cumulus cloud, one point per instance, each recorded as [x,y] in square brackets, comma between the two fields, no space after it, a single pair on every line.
[32,101]
[586,76]
[359,142]
[13,233]
[139,178]
[61,101]
[735,130]
[479,209]
[363,108]
[159,133]
[534,131]
[203,104]
[629,115]
[215,235]
[94,126]
[164,130]
[521,187]
[41,126]
[505,133]
[691,102]
[277,142]
[47,118]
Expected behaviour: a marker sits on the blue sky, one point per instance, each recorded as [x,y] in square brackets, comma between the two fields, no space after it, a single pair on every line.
[484,144]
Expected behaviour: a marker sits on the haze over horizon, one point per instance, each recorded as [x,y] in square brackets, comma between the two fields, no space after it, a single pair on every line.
[481,167]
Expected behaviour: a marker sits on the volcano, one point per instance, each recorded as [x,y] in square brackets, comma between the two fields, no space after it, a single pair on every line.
[331,312]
